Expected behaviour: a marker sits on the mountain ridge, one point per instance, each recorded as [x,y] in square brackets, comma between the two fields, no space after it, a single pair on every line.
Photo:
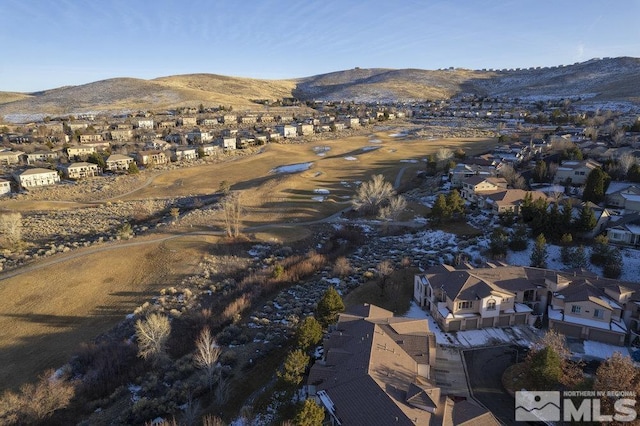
[596,80]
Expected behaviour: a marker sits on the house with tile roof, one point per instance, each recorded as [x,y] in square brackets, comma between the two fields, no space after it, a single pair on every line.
[377,369]
[578,303]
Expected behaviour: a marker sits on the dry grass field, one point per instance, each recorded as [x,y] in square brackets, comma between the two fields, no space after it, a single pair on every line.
[47,312]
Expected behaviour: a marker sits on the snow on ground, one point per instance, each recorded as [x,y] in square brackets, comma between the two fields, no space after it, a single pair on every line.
[398,135]
[374,141]
[292,168]
[473,338]
[319,198]
[408,161]
[321,191]
[630,261]
[350,158]
[370,148]
[599,350]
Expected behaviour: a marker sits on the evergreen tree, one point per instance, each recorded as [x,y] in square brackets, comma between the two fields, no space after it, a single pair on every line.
[545,369]
[519,238]
[596,186]
[539,253]
[552,223]
[586,221]
[498,243]
[455,204]
[566,217]
[633,175]
[440,209]
[294,367]
[329,307]
[309,333]
[310,414]
[540,171]
[600,250]
[566,252]
[613,264]
[578,258]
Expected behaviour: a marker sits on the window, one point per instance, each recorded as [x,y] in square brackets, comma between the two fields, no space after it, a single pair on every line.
[491,305]
[529,295]
[576,309]
[464,305]
[598,313]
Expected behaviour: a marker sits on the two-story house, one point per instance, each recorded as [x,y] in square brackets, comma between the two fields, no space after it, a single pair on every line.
[34,177]
[118,163]
[478,184]
[79,170]
[153,157]
[575,172]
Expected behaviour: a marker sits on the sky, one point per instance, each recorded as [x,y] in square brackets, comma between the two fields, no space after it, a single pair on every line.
[53,43]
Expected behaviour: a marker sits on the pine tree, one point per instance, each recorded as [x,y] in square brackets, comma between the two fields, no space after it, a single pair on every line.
[578,258]
[596,186]
[440,209]
[329,307]
[519,238]
[587,219]
[309,333]
[566,252]
[311,414]
[539,253]
[545,369]
[455,204]
[613,264]
[498,243]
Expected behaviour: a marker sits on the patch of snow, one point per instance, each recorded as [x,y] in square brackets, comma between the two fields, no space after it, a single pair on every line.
[370,148]
[350,158]
[408,161]
[599,350]
[319,198]
[292,168]
[321,191]
[374,141]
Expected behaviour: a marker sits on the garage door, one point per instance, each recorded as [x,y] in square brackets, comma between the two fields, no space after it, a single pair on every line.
[605,336]
[471,324]
[487,322]
[503,321]
[454,326]
[521,319]
[566,329]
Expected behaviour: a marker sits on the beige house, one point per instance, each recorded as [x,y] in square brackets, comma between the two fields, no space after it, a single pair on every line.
[90,138]
[31,178]
[230,119]
[118,162]
[378,369]
[121,135]
[79,170]
[508,200]
[578,303]
[575,172]
[186,153]
[42,157]
[5,186]
[481,184]
[287,131]
[8,158]
[304,129]
[227,142]
[155,157]
[189,121]
[144,123]
[79,152]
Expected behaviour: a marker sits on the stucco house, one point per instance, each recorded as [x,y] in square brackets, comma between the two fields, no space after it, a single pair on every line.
[118,162]
[42,156]
[575,172]
[5,186]
[481,184]
[503,295]
[121,135]
[34,177]
[287,131]
[79,170]
[153,157]
[508,200]
[186,153]
[227,142]
[144,123]
[624,195]
[8,158]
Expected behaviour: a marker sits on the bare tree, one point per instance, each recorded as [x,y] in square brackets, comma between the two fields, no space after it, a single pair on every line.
[617,137]
[372,194]
[175,213]
[384,271]
[591,132]
[342,266]
[396,205]
[222,391]
[625,162]
[232,210]
[443,154]
[207,354]
[513,178]
[11,227]
[152,334]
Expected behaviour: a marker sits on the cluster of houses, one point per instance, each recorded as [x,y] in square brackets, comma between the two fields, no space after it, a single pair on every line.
[157,140]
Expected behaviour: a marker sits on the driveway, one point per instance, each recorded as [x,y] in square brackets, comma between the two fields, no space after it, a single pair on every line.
[484,369]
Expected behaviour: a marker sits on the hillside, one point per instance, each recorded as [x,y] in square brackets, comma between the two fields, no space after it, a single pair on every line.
[597,80]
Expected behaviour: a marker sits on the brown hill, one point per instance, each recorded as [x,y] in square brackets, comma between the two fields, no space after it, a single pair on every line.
[597,80]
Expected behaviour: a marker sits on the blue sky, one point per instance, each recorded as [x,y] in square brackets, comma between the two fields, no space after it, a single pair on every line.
[52,43]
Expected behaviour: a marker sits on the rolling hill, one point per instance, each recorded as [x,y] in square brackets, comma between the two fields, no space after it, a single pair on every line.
[597,80]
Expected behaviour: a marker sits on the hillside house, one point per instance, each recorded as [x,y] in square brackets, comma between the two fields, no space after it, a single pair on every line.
[210,150]
[118,162]
[124,135]
[481,184]
[5,187]
[304,129]
[209,122]
[79,152]
[79,170]
[287,131]
[624,195]
[249,119]
[8,158]
[500,296]
[144,123]
[463,171]
[185,153]
[575,172]
[35,177]
[199,136]
[90,138]
[227,142]
[77,125]
[189,121]
[508,200]
[42,157]
[230,119]
[266,118]
[378,369]
[151,158]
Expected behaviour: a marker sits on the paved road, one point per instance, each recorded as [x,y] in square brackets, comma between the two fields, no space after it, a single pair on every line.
[485,368]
